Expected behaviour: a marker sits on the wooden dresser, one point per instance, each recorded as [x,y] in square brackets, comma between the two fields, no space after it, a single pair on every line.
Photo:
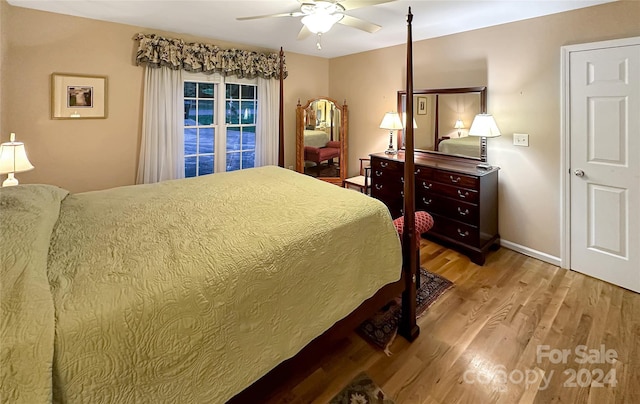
[462,199]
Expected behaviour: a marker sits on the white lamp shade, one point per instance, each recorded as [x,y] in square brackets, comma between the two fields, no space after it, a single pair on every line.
[459,124]
[484,125]
[320,23]
[391,121]
[13,157]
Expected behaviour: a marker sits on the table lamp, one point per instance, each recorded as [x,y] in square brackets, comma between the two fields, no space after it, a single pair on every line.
[391,122]
[13,159]
[484,126]
[458,125]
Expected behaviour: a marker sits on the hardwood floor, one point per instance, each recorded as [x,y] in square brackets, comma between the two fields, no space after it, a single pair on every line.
[497,337]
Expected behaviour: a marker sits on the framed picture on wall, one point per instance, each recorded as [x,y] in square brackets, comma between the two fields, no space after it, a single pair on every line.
[422,106]
[76,96]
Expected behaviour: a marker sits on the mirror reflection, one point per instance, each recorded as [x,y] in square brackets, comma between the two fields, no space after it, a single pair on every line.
[442,120]
[321,137]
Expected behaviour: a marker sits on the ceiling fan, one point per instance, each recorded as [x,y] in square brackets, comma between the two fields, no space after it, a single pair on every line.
[318,16]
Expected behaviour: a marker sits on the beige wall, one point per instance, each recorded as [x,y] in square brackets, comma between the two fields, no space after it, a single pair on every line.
[520,65]
[81,155]
[74,154]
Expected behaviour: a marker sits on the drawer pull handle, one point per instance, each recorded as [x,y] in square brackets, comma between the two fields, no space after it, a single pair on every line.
[427,186]
[402,194]
[426,202]
[417,171]
[383,164]
[379,186]
[378,173]
[463,234]
[402,180]
[463,195]
[454,180]
[463,213]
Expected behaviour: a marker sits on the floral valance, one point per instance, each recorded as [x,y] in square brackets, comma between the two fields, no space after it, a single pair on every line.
[157,51]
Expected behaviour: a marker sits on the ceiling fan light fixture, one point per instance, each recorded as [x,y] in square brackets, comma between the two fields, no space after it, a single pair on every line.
[320,23]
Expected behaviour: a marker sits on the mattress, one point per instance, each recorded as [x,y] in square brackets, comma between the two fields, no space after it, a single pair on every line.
[315,138]
[468,146]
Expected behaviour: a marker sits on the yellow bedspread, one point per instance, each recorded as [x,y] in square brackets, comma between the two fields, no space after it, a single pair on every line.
[27,216]
[466,146]
[188,291]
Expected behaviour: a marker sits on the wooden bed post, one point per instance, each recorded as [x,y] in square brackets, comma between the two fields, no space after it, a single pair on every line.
[436,136]
[281,113]
[410,265]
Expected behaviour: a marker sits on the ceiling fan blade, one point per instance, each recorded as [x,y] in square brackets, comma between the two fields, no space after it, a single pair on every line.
[304,33]
[359,24]
[353,4]
[292,14]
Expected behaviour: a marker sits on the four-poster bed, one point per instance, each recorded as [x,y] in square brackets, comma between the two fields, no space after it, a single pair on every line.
[406,286]
[189,290]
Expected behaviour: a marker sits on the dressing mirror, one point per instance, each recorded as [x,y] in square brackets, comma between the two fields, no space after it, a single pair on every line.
[442,120]
[321,139]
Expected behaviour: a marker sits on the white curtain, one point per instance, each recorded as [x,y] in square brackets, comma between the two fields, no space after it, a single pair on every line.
[162,148]
[267,125]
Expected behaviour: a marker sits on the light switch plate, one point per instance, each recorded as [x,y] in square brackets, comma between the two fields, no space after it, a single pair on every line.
[521,139]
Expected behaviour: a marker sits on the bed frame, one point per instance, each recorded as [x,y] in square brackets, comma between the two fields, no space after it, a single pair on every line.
[298,367]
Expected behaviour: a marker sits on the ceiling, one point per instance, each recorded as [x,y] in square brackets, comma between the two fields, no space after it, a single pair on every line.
[216,19]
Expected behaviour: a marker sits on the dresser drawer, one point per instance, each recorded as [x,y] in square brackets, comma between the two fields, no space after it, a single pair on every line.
[455,230]
[386,185]
[456,179]
[386,194]
[425,173]
[461,211]
[457,193]
[451,208]
[387,177]
[387,165]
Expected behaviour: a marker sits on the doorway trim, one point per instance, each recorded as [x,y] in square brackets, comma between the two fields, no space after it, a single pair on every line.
[565,138]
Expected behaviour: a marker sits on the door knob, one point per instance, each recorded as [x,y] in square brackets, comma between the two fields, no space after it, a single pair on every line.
[579,173]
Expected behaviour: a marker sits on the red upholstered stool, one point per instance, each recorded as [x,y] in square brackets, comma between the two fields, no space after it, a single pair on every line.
[423,223]
[319,154]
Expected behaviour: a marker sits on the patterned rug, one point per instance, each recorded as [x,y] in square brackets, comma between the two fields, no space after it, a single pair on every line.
[381,329]
[361,390]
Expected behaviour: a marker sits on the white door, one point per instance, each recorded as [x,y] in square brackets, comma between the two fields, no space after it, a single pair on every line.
[604,119]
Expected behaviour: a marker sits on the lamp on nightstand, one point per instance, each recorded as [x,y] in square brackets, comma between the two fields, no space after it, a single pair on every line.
[391,122]
[484,126]
[13,159]
[458,125]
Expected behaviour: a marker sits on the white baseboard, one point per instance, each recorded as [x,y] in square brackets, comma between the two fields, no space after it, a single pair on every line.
[531,252]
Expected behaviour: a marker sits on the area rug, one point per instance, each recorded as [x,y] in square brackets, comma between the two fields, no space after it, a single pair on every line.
[381,328]
[361,390]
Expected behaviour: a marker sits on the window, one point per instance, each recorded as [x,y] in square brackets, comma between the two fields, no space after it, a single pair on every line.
[205,102]
[199,128]
[241,105]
